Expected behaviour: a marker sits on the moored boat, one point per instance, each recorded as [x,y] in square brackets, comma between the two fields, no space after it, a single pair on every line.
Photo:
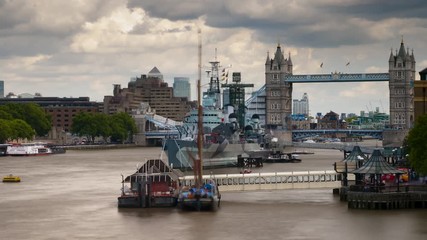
[281,157]
[199,194]
[28,149]
[153,185]
[205,197]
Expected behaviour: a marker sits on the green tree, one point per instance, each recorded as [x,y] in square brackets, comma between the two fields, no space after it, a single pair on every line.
[118,132]
[5,130]
[83,124]
[91,125]
[417,142]
[103,127]
[4,113]
[37,118]
[21,130]
[119,126]
[124,127]
[31,113]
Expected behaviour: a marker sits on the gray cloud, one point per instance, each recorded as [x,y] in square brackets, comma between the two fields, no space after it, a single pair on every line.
[376,10]
[297,19]
[44,27]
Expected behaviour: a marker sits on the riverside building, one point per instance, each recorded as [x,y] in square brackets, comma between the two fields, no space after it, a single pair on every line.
[149,89]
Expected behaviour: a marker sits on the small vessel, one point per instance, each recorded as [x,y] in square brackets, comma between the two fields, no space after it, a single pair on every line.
[28,149]
[56,149]
[281,157]
[11,178]
[201,194]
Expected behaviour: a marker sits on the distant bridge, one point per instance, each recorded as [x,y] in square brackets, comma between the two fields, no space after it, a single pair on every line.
[338,77]
[300,134]
[161,134]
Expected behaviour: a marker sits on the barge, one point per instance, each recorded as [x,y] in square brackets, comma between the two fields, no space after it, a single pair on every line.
[153,185]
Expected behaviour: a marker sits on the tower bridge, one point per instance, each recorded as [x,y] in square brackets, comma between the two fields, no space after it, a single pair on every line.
[273,101]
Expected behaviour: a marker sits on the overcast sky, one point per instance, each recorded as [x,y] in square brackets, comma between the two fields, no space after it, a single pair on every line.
[74,48]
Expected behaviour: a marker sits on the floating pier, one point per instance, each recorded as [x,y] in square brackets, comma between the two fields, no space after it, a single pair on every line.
[406,197]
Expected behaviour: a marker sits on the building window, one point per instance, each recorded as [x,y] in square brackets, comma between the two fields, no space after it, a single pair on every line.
[275,118]
[275,93]
[275,106]
[275,76]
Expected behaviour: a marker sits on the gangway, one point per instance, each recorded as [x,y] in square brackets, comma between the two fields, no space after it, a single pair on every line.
[272,180]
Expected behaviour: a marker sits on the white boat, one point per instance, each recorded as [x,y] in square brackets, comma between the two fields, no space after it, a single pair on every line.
[28,149]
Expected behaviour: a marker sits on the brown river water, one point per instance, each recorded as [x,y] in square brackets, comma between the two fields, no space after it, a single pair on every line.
[74,196]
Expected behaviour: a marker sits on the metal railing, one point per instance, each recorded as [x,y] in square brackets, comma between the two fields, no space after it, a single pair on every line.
[270,181]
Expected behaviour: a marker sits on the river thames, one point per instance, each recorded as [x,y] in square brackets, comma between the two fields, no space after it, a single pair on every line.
[74,196]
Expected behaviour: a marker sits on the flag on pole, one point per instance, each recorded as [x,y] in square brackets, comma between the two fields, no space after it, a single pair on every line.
[224,75]
[321,65]
[347,64]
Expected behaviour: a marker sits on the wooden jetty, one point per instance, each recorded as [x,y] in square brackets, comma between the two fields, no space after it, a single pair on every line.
[391,197]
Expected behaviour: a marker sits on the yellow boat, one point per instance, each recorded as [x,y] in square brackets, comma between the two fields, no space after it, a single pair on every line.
[11,178]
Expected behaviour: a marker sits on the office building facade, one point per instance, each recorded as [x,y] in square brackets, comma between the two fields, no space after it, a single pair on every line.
[149,89]
[182,87]
[301,107]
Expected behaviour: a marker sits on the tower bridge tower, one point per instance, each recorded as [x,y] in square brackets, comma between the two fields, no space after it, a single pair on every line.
[401,85]
[278,92]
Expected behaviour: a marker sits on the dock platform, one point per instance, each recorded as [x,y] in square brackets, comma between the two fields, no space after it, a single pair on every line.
[405,197]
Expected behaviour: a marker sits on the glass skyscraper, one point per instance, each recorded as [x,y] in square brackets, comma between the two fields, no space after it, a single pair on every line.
[182,87]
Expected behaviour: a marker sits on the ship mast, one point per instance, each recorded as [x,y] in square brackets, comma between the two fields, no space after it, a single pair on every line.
[199,161]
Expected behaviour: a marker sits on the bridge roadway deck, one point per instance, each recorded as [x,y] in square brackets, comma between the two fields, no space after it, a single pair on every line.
[272,180]
[338,77]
